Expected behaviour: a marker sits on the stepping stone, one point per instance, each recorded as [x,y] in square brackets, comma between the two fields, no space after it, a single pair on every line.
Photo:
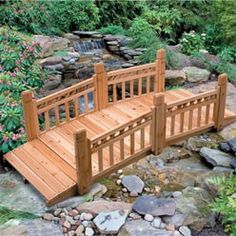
[154,206]
[133,183]
[232,144]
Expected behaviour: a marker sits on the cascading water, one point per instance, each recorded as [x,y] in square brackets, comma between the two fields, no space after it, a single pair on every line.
[89,45]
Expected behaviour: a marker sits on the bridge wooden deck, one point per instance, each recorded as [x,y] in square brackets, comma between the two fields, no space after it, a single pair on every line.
[72,143]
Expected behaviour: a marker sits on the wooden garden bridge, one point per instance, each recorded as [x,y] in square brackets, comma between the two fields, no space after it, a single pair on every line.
[82,133]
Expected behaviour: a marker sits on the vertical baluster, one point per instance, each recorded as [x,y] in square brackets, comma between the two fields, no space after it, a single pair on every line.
[199,116]
[190,120]
[172,126]
[207,114]
[67,111]
[100,161]
[139,86]
[47,120]
[181,122]
[142,138]
[131,88]
[114,93]
[111,151]
[123,90]
[122,149]
[148,84]
[86,108]
[132,149]
[77,107]
[57,117]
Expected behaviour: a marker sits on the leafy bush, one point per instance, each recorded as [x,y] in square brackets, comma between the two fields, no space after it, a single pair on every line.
[225,203]
[139,26]
[113,29]
[118,12]
[192,42]
[38,16]
[19,71]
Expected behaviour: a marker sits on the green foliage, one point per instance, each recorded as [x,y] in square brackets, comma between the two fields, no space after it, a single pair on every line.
[113,29]
[118,12]
[39,16]
[225,204]
[19,71]
[192,42]
[139,26]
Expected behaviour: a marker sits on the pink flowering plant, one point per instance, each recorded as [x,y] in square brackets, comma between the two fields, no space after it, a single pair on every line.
[19,71]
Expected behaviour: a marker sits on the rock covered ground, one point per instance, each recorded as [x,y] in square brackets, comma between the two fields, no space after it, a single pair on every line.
[165,195]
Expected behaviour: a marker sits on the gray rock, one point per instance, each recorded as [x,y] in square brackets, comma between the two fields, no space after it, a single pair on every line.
[224,147]
[196,75]
[175,77]
[232,144]
[154,206]
[33,227]
[133,183]
[18,196]
[127,65]
[156,222]
[222,169]
[233,195]
[52,82]
[185,230]
[89,231]
[141,228]
[148,217]
[98,206]
[85,34]
[233,163]
[176,194]
[229,131]
[216,157]
[177,219]
[48,216]
[110,222]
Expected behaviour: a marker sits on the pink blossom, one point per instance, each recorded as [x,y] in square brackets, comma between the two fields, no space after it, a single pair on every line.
[8,83]
[15,137]
[22,130]
[14,104]
[5,138]
[1,127]
[1,68]
[13,74]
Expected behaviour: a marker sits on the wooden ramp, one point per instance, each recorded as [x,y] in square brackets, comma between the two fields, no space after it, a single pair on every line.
[72,144]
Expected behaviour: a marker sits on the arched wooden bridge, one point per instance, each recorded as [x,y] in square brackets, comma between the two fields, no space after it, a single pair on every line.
[86,131]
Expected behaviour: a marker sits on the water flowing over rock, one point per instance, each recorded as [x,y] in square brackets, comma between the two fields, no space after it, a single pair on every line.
[110,222]
[216,157]
[133,183]
[154,206]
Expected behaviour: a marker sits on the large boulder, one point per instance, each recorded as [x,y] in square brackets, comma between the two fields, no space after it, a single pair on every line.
[216,157]
[154,206]
[193,209]
[196,75]
[49,45]
[133,183]
[175,77]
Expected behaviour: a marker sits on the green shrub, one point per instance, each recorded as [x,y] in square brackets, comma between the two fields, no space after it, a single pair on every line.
[39,16]
[192,42]
[139,26]
[113,29]
[118,12]
[19,71]
[225,203]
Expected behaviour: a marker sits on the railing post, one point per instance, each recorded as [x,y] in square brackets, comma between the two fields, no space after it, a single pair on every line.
[221,101]
[159,123]
[101,86]
[159,83]
[30,115]
[83,161]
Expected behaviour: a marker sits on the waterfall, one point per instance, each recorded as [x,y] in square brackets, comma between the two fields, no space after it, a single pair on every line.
[89,45]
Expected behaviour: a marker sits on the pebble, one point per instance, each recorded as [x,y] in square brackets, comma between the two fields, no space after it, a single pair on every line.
[77,217]
[79,230]
[170,227]
[89,231]
[156,222]
[185,230]
[176,194]
[177,233]
[162,225]
[148,217]
[134,216]
[86,223]
[88,216]
[118,182]
[124,190]
[120,171]
[147,189]
[71,233]
[67,224]
[121,176]
[74,212]
[57,212]
[48,216]
[133,194]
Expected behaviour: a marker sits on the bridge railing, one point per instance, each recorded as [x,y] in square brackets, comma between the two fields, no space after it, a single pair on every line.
[163,125]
